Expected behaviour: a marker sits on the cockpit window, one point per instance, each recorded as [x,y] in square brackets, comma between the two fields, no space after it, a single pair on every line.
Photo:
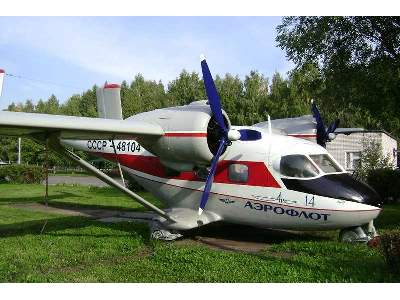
[325,163]
[297,166]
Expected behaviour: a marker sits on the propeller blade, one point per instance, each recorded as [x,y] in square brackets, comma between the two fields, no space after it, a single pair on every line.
[212,95]
[332,127]
[321,131]
[249,135]
[210,176]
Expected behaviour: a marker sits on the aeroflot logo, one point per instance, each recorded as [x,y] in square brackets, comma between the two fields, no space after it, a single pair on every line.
[290,211]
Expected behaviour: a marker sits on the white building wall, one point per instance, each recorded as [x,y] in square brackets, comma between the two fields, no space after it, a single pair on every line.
[390,148]
[353,143]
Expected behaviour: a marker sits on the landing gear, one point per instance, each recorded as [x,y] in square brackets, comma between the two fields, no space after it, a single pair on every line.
[158,232]
[360,234]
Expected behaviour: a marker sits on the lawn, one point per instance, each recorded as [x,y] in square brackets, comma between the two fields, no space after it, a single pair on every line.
[80,249]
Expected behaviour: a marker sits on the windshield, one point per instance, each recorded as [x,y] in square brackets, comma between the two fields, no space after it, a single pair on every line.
[297,166]
[325,163]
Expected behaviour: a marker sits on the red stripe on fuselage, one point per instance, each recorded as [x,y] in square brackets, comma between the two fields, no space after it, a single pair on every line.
[186,134]
[259,174]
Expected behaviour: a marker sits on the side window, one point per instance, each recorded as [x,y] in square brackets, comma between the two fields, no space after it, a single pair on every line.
[238,173]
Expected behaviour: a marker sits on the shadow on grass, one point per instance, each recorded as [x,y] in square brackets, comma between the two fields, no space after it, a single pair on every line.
[55,226]
[243,233]
[83,206]
[40,199]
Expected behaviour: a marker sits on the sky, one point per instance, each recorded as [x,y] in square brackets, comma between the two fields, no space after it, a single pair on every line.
[68,55]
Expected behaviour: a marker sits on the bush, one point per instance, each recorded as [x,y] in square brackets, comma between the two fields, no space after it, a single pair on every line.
[390,246]
[386,182]
[22,174]
[372,158]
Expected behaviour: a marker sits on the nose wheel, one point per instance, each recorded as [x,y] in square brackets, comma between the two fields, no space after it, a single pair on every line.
[159,232]
[360,234]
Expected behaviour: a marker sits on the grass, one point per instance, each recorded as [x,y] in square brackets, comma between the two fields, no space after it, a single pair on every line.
[79,249]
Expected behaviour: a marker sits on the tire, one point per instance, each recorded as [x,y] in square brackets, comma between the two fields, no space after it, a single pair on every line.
[348,236]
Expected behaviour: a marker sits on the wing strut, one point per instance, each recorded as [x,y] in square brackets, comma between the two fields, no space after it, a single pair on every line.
[118,163]
[99,174]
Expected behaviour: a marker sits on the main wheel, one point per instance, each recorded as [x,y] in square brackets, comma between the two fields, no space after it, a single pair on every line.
[348,236]
[352,235]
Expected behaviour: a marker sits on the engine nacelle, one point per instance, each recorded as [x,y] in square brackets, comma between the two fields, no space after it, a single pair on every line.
[191,135]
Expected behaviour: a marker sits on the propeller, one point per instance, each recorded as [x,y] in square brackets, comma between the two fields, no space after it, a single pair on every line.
[227,135]
[323,134]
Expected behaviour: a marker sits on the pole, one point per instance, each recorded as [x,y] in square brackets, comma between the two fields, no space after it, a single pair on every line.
[19,150]
[46,171]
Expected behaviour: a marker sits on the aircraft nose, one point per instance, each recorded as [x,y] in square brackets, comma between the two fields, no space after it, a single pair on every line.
[339,186]
[362,192]
[368,195]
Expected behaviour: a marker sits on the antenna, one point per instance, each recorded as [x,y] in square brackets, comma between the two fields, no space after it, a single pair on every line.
[269,125]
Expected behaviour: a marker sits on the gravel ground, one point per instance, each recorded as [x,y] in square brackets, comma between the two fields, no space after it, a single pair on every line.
[82,180]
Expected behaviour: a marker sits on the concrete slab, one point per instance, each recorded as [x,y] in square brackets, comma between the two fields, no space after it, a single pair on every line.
[78,180]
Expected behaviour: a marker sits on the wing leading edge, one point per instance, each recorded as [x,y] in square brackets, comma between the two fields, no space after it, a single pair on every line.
[69,127]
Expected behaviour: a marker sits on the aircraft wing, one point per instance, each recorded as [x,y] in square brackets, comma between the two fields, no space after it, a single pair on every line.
[348,131]
[69,127]
[303,127]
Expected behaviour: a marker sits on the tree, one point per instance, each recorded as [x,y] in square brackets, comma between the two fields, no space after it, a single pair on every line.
[72,106]
[88,103]
[28,107]
[188,87]
[357,58]
[372,158]
[230,89]
[254,104]
[142,95]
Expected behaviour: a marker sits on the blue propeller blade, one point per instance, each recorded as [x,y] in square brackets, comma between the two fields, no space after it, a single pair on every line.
[321,131]
[216,109]
[212,95]
[332,127]
[210,176]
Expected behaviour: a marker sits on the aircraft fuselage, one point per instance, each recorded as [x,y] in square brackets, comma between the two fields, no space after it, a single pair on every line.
[255,183]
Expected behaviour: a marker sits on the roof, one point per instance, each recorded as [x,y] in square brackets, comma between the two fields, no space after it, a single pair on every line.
[361,130]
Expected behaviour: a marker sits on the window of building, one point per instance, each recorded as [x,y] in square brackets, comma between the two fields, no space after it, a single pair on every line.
[353,160]
[238,173]
[297,166]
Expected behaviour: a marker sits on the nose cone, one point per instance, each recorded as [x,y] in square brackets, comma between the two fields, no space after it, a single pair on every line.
[368,194]
[340,186]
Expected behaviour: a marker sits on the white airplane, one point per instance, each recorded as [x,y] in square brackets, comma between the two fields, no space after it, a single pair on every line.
[206,170]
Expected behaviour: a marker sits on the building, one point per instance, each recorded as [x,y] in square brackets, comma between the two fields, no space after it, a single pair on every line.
[347,148]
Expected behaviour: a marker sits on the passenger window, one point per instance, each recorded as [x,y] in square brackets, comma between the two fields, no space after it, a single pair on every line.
[297,166]
[238,173]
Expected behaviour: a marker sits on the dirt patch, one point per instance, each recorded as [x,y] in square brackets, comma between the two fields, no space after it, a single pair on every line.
[233,245]
[48,209]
